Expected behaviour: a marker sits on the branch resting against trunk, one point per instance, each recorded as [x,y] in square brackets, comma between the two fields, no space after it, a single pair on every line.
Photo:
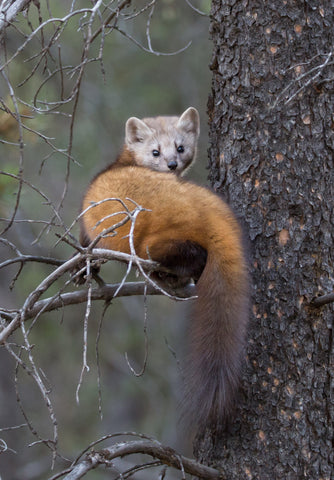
[166,455]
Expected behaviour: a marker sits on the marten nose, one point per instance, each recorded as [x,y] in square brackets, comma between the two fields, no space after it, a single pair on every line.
[172,164]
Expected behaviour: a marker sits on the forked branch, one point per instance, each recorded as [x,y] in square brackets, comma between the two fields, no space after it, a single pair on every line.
[166,455]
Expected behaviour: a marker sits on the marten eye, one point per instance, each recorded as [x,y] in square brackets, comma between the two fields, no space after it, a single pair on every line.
[155,153]
[180,149]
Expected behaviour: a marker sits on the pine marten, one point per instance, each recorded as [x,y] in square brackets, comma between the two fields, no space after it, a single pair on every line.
[191,231]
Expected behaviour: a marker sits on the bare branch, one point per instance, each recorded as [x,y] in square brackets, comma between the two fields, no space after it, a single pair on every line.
[105,293]
[164,454]
[32,307]
[31,258]
[120,7]
[9,9]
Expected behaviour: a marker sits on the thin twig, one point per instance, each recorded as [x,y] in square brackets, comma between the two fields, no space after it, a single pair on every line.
[203,14]
[309,73]
[97,356]
[85,367]
[154,52]
[21,149]
[142,371]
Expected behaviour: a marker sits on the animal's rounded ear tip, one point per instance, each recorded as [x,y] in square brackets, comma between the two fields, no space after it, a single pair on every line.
[192,111]
[131,121]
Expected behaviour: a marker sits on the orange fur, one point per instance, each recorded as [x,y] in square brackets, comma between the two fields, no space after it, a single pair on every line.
[181,215]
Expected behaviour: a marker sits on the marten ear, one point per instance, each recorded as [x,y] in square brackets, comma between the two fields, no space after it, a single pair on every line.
[189,121]
[136,131]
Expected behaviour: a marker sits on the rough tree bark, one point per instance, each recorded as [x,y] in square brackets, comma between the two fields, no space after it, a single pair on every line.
[271,115]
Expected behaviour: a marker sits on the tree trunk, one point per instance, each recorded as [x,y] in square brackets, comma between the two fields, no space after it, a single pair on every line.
[271,155]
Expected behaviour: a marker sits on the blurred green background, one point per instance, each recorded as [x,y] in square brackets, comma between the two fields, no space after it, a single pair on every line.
[131,82]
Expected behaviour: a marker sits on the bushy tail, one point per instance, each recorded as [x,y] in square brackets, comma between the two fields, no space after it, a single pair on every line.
[217,335]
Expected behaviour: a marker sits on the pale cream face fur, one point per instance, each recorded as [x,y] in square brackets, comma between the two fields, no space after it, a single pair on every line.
[165,144]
